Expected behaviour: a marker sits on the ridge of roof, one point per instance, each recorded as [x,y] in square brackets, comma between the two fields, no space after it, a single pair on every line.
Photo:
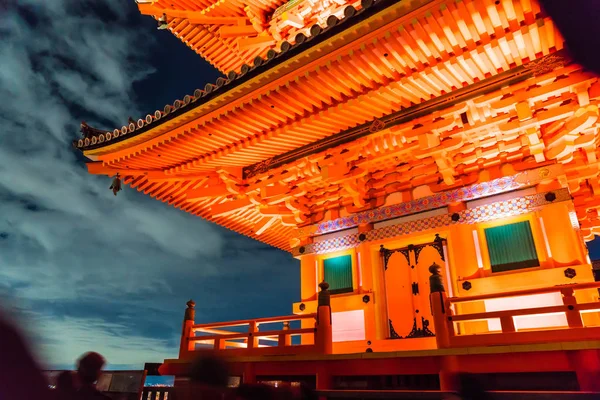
[96,138]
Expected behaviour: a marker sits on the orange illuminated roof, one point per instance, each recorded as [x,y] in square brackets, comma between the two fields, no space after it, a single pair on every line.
[399,100]
[231,33]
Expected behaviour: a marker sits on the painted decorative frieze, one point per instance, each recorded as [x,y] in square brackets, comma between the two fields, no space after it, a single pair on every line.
[484,213]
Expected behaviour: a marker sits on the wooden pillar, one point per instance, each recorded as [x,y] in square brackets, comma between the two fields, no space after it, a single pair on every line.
[324,380]
[324,333]
[287,339]
[186,346]
[366,282]
[573,316]
[249,376]
[308,277]
[586,364]
[449,377]
[440,319]
[252,340]
[439,308]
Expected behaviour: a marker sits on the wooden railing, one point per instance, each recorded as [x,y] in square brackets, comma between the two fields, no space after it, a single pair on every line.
[445,319]
[219,337]
[222,339]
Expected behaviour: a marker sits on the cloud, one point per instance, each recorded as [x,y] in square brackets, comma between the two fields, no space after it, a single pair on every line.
[71,254]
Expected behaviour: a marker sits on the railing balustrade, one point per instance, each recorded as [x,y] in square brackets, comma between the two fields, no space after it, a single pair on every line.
[446,321]
[220,337]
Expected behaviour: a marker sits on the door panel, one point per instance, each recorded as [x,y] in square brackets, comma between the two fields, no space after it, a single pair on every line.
[407,275]
[399,295]
[425,256]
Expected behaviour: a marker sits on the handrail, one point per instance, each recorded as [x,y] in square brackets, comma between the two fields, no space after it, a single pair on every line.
[524,311]
[243,335]
[270,320]
[525,292]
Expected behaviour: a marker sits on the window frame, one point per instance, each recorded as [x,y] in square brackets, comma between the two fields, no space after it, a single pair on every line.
[346,291]
[536,234]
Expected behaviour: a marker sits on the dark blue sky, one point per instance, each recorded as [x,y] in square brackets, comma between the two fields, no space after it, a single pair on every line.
[84,270]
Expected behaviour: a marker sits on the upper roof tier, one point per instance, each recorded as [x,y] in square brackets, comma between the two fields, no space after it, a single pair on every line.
[231,33]
[403,98]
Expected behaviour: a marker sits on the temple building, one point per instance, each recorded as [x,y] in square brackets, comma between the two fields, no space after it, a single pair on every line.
[433,164]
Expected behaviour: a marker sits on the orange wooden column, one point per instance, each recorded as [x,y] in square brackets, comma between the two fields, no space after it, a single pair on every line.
[365,274]
[586,364]
[308,277]
[324,336]
[324,379]
[440,313]
[308,290]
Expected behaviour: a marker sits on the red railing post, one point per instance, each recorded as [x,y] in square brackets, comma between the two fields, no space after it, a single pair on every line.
[573,315]
[287,338]
[252,340]
[324,332]
[187,331]
[508,324]
[442,317]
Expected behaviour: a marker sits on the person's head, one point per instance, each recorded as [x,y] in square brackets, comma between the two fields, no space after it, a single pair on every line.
[434,269]
[65,381]
[89,367]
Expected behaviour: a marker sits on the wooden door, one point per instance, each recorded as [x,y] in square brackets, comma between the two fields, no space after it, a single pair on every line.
[407,288]
[398,289]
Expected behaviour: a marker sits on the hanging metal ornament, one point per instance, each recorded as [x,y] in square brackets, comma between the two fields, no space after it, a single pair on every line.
[116,185]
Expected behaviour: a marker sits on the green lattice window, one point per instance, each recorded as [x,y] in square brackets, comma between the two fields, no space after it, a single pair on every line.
[337,271]
[511,247]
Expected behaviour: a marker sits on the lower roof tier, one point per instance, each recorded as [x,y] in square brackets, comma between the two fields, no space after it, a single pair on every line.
[545,116]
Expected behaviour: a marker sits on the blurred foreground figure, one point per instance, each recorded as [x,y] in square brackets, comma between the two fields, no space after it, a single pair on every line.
[89,369]
[209,378]
[471,388]
[65,386]
[20,376]
[577,21]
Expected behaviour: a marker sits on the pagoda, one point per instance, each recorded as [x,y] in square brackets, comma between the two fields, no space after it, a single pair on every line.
[433,164]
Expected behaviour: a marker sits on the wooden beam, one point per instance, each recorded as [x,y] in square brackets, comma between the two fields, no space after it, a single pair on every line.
[232,174]
[193,17]
[237,31]
[271,191]
[230,207]
[261,226]
[209,191]
[204,20]
[275,211]
[256,42]
[97,168]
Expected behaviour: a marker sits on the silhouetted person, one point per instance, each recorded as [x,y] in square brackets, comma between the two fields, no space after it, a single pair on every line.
[88,371]
[209,378]
[471,388]
[65,386]
[20,377]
